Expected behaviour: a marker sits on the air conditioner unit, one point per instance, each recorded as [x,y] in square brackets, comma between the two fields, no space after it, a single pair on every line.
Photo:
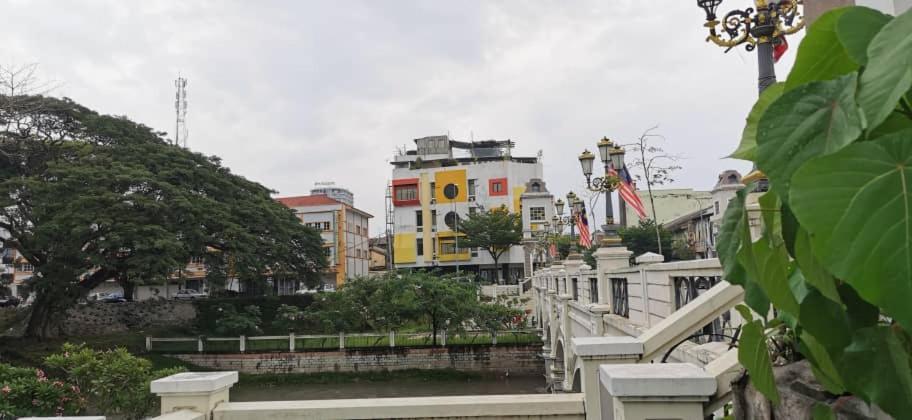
[471,198]
[433,201]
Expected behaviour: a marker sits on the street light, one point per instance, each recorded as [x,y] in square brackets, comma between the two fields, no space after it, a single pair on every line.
[559,221]
[612,157]
[768,22]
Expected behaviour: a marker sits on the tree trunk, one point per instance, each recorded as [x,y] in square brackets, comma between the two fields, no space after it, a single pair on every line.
[497,269]
[434,331]
[129,290]
[42,322]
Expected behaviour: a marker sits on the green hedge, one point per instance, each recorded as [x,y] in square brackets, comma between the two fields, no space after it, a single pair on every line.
[207,309]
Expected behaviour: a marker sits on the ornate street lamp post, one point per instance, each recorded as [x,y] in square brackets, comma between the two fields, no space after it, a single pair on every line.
[612,156]
[559,221]
[758,27]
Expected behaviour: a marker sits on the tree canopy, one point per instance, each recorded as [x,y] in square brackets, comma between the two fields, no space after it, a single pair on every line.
[642,239]
[495,231]
[86,198]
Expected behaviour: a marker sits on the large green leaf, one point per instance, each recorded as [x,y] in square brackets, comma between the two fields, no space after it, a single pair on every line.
[814,272]
[876,367]
[768,265]
[771,215]
[826,371]
[857,204]
[856,28]
[754,356]
[815,119]
[733,222]
[821,56]
[888,74]
[826,321]
[747,150]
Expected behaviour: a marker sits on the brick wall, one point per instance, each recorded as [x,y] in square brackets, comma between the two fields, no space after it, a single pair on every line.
[524,359]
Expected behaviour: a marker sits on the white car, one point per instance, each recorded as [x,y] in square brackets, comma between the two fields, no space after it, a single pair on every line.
[190,294]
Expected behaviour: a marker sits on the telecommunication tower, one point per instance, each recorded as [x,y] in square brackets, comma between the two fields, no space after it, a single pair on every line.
[180,108]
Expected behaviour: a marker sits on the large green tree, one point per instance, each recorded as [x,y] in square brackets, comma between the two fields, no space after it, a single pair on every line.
[86,198]
[495,231]
[642,239]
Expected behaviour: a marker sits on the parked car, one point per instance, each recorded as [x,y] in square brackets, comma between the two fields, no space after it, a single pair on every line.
[9,301]
[306,291]
[190,294]
[113,298]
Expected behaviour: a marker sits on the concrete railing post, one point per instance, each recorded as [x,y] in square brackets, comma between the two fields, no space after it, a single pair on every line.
[291,341]
[652,391]
[195,391]
[341,341]
[199,344]
[592,352]
[148,343]
[242,346]
[443,338]
[392,338]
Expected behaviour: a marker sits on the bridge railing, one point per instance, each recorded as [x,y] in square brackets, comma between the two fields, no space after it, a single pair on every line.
[329,342]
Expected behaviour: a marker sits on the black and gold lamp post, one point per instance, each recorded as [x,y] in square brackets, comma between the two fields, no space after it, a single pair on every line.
[612,156]
[761,27]
[560,221]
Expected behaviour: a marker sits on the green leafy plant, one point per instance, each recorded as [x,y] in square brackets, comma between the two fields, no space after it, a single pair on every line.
[114,381]
[29,392]
[233,322]
[287,317]
[642,239]
[834,258]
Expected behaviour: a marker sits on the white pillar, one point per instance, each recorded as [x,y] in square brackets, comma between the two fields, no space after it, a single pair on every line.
[654,391]
[341,341]
[593,352]
[196,391]
[242,344]
[291,341]
[392,338]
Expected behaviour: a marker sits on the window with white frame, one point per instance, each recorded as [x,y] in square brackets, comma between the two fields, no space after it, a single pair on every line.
[537,214]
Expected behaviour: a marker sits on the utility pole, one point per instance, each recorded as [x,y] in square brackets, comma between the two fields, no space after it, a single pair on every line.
[180,110]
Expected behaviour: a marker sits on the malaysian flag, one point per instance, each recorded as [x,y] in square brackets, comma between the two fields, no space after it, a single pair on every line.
[553,250]
[627,191]
[585,237]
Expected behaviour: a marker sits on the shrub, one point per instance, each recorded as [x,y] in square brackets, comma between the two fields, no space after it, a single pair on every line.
[29,392]
[287,318]
[115,381]
[232,322]
[208,310]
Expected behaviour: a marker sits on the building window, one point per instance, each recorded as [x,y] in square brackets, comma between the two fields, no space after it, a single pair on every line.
[593,290]
[419,221]
[575,289]
[472,187]
[26,268]
[433,191]
[497,186]
[196,260]
[717,207]
[472,211]
[537,214]
[406,192]
[419,246]
[358,230]
[433,220]
[327,251]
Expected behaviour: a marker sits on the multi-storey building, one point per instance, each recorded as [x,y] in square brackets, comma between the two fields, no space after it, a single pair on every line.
[15,271]
[345,235]
[442,181]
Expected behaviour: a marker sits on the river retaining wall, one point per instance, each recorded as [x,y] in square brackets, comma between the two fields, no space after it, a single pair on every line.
[512,359]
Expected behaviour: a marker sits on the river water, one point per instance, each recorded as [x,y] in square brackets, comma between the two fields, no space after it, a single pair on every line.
[409,387]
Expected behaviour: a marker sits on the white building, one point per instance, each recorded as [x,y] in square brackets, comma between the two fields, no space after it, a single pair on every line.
[345,235]
[443,178]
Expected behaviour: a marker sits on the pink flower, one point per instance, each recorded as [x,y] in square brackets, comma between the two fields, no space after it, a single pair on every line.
[35,402]
[66,354]
[6,389]
[40,374]
[58,384]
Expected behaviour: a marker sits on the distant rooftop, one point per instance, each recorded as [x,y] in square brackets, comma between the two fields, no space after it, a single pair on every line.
[444,151]
[315,200]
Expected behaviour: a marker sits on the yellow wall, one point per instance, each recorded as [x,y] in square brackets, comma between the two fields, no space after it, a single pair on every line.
[458,177]
[425,195]
[404,248]
[517,191]
[341,250]
[450,237]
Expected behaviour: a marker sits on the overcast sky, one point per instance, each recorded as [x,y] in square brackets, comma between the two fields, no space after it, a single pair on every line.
[290,93]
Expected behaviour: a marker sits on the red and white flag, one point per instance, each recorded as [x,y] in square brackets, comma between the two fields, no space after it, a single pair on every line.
[585,237]
[553,250]
[628,192]
[779,49]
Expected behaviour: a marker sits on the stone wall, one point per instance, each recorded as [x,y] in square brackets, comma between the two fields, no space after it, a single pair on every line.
[499,359]
[108,318]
